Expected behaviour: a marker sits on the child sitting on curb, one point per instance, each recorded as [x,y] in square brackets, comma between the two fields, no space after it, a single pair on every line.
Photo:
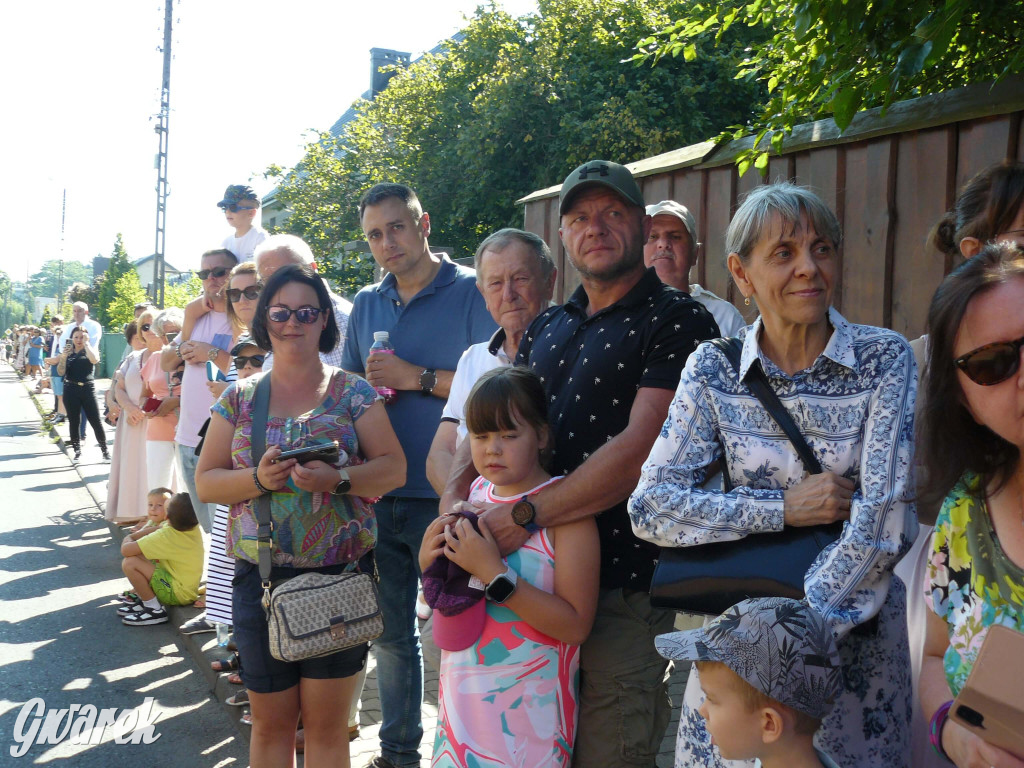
[163,566]
[156,513]
[770,672]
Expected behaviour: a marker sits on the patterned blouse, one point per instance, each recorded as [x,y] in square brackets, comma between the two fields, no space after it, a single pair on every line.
[971,584]
[855,407]
[311,530]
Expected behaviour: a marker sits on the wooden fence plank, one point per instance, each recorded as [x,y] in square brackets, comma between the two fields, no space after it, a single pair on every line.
[981,143]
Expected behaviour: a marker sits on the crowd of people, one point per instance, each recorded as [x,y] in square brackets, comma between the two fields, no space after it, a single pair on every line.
[524,466]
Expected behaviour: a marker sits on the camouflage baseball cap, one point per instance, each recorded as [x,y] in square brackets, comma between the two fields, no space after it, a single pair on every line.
[235,194]
[601,173]
[778,645]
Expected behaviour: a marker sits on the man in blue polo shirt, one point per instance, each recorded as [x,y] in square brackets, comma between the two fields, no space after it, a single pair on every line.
[433,311]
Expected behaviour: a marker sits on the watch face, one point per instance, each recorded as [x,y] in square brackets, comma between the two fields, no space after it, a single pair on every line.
[501,589]
[523,512]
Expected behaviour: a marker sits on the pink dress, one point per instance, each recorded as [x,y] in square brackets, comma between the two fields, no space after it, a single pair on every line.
[128,484]
[510,699]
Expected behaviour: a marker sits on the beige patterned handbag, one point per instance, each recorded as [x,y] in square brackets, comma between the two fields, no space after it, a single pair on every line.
[316,614]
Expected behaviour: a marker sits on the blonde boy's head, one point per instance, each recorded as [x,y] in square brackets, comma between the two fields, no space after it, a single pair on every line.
[753,699]
[156,504]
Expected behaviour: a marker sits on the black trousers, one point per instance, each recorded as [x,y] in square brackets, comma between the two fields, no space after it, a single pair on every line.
[81,398]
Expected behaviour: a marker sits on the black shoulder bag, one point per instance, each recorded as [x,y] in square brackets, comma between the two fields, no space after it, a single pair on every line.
[710,578]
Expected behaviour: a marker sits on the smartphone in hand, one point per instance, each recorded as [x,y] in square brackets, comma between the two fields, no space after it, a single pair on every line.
[213,373]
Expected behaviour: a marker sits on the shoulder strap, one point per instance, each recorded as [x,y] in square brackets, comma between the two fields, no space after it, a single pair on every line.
[258,443]
[757,383]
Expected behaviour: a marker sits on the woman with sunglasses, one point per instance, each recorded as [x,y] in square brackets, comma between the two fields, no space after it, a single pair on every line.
[850,391]
[128,485]
[162,387]
[972,438]
[78,359]
[322,520]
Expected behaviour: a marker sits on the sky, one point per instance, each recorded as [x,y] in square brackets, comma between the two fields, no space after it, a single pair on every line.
[249,82]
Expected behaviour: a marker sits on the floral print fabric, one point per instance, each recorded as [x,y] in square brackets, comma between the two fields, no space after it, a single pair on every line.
[970,583]
[311,530]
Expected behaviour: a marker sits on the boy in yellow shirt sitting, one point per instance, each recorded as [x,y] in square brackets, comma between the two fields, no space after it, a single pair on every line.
[164,566]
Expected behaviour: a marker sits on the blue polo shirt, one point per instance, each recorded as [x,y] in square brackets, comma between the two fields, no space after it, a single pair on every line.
[432,331]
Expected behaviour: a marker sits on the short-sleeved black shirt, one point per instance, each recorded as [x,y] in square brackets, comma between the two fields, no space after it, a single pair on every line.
[591,368]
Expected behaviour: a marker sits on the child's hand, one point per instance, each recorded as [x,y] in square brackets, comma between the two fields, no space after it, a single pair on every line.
[475,552]
[433,541]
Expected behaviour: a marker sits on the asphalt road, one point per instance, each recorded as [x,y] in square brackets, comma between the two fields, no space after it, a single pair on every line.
[60,639]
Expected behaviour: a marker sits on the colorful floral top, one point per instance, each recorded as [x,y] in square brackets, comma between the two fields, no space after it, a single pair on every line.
[311,530]
[970,582]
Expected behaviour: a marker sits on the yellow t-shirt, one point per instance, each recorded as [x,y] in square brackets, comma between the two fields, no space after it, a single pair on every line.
[180,554]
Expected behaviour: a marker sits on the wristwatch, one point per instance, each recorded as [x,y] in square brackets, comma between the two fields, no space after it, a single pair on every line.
[212,354]
[428,380]
[344,485]
[523,514]
[502,586]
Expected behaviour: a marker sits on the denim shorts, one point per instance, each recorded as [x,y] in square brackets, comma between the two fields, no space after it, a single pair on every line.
[261,672]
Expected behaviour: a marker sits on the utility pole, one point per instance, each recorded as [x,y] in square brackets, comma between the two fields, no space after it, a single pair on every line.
[60,266]
[161,162]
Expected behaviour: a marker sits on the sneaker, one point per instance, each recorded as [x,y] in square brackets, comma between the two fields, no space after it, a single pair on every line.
[60,418]
[128,597]
[105,452]
[145,617]
[78,454]
[379,761]
[138,607]
[197,626]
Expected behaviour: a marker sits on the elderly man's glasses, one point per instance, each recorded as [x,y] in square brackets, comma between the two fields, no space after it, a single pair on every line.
[216,272]
[992,363]
[256,360]
[305,315]
[251,293]
[235,207]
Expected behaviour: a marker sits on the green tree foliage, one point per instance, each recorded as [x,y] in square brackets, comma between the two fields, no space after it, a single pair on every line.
[46,280]
[180,294]
[512,106]
[128,292]
[106,288]
[820,58]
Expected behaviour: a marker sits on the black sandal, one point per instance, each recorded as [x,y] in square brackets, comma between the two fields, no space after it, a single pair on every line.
[229,664]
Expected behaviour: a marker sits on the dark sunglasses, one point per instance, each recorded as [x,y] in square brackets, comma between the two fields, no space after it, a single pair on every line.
[991,363]
[251,293]
[235,207]
[256,360]
[217,272]
[144,327]
[305,315]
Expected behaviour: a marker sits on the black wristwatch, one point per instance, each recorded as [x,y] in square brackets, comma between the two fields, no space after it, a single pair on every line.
[344,485]
[523,514]
[502,586]
[428,380]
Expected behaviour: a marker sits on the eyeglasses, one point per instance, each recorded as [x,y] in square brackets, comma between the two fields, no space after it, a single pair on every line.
[256,360]
[251,293]
[992,363]
[171,334]
[305,315]
[217,272]
[235,207]
[144,327]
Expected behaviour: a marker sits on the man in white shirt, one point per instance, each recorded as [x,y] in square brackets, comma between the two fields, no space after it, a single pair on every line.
[516,276]
[671,249]
[279,250]
[241,206]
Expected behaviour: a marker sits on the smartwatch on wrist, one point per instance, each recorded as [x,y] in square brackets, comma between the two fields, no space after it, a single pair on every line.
[428,380]
[344,485]
[502,586]
[523,514]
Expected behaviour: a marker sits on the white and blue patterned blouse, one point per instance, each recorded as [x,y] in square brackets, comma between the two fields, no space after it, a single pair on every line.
[855,408]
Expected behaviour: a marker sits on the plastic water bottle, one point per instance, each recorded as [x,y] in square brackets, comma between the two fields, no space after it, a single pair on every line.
[382,343]
[223,634]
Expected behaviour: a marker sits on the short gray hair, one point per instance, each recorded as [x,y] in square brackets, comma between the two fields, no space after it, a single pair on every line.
[296,248]
[785,200]
[173,315]
[500,240]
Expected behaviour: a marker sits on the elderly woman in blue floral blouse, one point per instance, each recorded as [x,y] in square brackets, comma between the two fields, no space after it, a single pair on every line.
[850,389]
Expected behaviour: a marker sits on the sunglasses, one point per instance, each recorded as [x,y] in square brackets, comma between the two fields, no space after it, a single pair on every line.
[256,360]
[217,272]
[235,207]
[305,315]
[992,363]
[251,293]
[144,327]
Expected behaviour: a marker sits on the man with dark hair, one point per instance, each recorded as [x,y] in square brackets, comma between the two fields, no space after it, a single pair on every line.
[241,206]
[433,312]
[610,359]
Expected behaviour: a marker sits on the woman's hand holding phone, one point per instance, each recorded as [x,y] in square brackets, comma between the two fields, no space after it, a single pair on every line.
[274,474]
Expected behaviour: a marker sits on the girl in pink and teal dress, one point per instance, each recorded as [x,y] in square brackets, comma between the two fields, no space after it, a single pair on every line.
[510,697]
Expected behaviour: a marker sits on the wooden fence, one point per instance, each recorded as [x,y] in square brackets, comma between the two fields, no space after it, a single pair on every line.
[889,178]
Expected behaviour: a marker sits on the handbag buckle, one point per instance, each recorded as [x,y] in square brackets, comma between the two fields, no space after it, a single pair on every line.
[338,630]
[265,602]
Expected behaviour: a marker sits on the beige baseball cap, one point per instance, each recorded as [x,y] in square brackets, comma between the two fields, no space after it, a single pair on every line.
[680,211]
